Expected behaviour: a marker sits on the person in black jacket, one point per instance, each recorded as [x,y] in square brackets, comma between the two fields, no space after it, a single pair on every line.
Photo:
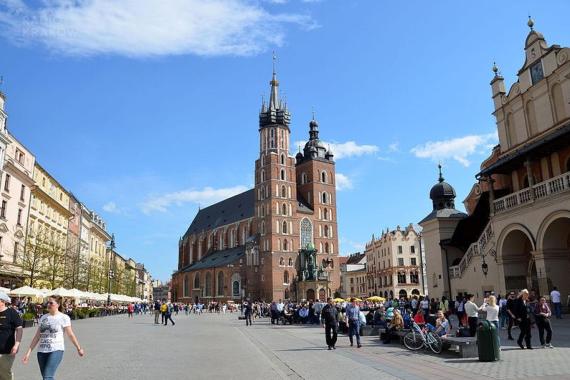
[510,307]
[329,318]
[520,312]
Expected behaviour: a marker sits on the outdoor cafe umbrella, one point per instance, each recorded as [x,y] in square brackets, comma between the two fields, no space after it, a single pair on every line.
[26,291]
[338,300]
[376,299]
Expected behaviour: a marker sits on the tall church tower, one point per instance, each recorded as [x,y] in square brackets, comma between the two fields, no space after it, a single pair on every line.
[316,185]
[275,196]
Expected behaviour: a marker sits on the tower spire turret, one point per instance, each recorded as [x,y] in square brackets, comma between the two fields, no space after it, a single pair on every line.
[275,112]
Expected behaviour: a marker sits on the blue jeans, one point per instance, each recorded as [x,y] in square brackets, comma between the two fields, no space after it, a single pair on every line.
[557,309]
[49,361]
[354,329]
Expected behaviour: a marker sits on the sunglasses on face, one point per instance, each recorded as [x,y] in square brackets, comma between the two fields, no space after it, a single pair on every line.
[52,303]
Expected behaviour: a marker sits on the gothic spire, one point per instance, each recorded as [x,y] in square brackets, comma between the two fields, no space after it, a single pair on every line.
[274,97]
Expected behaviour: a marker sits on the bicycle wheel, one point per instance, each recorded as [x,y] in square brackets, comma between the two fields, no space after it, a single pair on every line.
[434,342]
[413,341]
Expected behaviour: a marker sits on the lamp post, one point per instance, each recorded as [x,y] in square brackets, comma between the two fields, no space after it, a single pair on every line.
[485,267]
[110,274]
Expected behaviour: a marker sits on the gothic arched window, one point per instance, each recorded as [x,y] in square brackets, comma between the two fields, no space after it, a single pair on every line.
[306,232]
[283,192]
[197,281]
[220,284]
[290,262]
[283,175]
[327,248]
[325,198]
[285,245]
[284,209]
[304,179]
[281,261]
[324,177]
[285,277]
[284,229]
[282,159]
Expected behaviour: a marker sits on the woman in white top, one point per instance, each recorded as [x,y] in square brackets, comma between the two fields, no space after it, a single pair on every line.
[50,338]
[492,309]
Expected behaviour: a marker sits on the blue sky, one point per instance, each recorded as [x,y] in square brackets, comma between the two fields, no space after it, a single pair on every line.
[145,112]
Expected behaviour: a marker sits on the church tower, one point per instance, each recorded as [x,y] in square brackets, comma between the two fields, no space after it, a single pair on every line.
[316,186]
[275,197]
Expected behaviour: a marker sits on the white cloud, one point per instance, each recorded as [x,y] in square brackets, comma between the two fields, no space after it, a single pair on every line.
[139,28]
[204,197]
[458,149]
[343,182]
[346,149]
[111,207]
[394,147]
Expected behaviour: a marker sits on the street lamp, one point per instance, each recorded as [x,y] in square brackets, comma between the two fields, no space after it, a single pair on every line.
[485,267]
[111,274]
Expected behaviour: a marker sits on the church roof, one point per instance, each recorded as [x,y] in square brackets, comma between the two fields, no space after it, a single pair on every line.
[228,211]
[217,259]
[443,213]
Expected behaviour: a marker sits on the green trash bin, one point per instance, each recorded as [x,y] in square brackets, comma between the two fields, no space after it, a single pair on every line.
[487,342]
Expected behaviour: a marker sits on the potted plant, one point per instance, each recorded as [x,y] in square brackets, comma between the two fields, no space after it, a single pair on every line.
[28,319]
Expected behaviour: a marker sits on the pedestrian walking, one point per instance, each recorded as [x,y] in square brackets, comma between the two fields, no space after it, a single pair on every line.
[247,312]
[156,311]
[163,310]
[353,322]
[556,304]
[511,314]
[131,309]
[168,315]
[10,336]
[329,319]
[542,316]
[522,317]
[472,314]
[50,341]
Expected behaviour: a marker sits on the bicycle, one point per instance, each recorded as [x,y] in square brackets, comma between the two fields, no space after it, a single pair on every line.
[419,338]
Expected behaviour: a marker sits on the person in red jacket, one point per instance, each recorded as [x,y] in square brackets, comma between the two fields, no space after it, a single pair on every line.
[419,317]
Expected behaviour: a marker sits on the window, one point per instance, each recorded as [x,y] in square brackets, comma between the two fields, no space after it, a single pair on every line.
[324,198]
[22,192]
[327,248]
[262,175]
[285,277]
[20,156]
[304,178]
[306,233]
[400,250]
[7,183]
[401,277]
[282,159]
[282,174]
[326,214]
[281,261]
[326,231]
[220,287]
[401,262]
[3,209]
[536,72]
[324,177]
[413,261]
[19,222]
[284,228]
[186,287]
[413,249]
[284,209]
[16,250]
[285,245]
[290,259]
[283,192]
[414,278]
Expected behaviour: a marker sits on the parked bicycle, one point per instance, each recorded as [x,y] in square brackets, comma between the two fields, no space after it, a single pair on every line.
[419,338]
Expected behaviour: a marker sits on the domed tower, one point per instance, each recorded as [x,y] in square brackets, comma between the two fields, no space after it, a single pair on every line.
[316,188]
[442,194]
[437,228]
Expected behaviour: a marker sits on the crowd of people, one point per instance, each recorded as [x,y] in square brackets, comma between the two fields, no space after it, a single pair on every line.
[459,317]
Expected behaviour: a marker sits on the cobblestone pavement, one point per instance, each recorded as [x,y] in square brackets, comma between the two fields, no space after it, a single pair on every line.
[220,346]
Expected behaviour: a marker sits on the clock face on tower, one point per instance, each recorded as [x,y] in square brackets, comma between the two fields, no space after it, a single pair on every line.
[536,73]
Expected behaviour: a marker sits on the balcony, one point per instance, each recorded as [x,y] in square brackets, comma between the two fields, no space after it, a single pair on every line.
[542,190]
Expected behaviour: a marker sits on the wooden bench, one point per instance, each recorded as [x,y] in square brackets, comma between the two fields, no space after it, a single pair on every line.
[399,333]
[466,346]
[369,330]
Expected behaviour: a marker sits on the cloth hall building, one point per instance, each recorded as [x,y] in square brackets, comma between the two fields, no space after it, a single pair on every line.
[275,241]
[516,233]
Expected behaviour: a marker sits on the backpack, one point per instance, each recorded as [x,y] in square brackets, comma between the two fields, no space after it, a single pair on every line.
[163,308]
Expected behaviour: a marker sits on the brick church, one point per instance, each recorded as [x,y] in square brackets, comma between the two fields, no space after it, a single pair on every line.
[275,241]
